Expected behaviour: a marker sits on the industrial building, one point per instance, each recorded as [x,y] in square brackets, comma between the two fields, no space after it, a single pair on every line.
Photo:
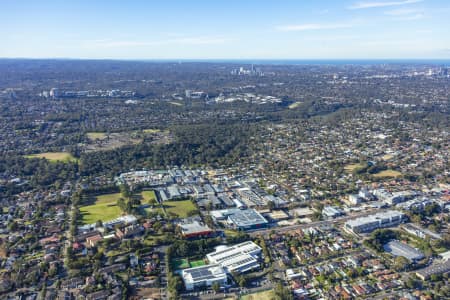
[203,276]
[239,258]
[435,269]
[397,248]
[332,211]
[372,222]
[195,230]
[247,219]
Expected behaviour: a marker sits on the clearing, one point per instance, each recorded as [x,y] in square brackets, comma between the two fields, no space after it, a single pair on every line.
[388,173]
[180,208]
[54,156]
[351,167]
[294,105]
[114,140]
[96,135]
[151,130]
[387,157]
[105,209]
[266,295]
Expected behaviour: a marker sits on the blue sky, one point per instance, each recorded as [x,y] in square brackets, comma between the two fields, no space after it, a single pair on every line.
[225,29]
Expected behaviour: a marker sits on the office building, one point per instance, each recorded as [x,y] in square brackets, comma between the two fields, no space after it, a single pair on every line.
[372,222]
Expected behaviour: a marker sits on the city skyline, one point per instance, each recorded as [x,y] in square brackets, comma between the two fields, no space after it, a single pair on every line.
[368,29]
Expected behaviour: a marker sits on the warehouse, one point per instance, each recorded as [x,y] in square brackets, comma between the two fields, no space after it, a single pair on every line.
[397,248]
[435,269]
[195,230]
[247,219]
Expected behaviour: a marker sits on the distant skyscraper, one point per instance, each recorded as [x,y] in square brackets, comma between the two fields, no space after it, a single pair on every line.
[54,93]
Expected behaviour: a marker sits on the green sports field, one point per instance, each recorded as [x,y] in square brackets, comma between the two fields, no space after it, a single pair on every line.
[105,209]
[181,208]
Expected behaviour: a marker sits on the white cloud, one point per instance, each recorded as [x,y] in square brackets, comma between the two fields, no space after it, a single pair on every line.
[405,14]
[375,4]
[311,26]
[401,12]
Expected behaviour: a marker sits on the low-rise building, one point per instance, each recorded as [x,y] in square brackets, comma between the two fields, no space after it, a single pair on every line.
[435,269]
[203,276]
[238,258]
[247,219]
[397,248]
[195,229]
[332,211]
[372,222]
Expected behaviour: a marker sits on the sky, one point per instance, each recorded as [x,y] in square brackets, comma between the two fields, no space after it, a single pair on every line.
[225,29]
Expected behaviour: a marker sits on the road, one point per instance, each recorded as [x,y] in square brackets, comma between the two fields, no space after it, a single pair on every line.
[284,229]
[163,275]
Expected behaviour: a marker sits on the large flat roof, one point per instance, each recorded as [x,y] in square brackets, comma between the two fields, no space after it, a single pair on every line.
[374,218]
[201,273]
[435,269]
[194,227]
[397,248]
[247,217]
[228,252]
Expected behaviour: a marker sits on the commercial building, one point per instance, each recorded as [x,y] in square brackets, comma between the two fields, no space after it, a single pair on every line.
[397,248]
[332,211]
[239,258]
[435,269]
[372,222]
[203,276]
[195,230]
[354,199]
[247,219]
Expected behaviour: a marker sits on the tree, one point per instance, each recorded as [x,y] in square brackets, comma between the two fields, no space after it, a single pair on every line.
[282,293]
[216,287]
[98,224]
[242,281]
[401,263]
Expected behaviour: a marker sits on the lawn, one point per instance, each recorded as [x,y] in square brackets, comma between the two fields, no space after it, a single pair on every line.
[351,167]
[180,208]
[105,209]
[388,173]
[148,197]
[96,135]
[266,295]
[54,156]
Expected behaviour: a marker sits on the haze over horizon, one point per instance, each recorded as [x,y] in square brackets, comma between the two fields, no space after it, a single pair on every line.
[351,29]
